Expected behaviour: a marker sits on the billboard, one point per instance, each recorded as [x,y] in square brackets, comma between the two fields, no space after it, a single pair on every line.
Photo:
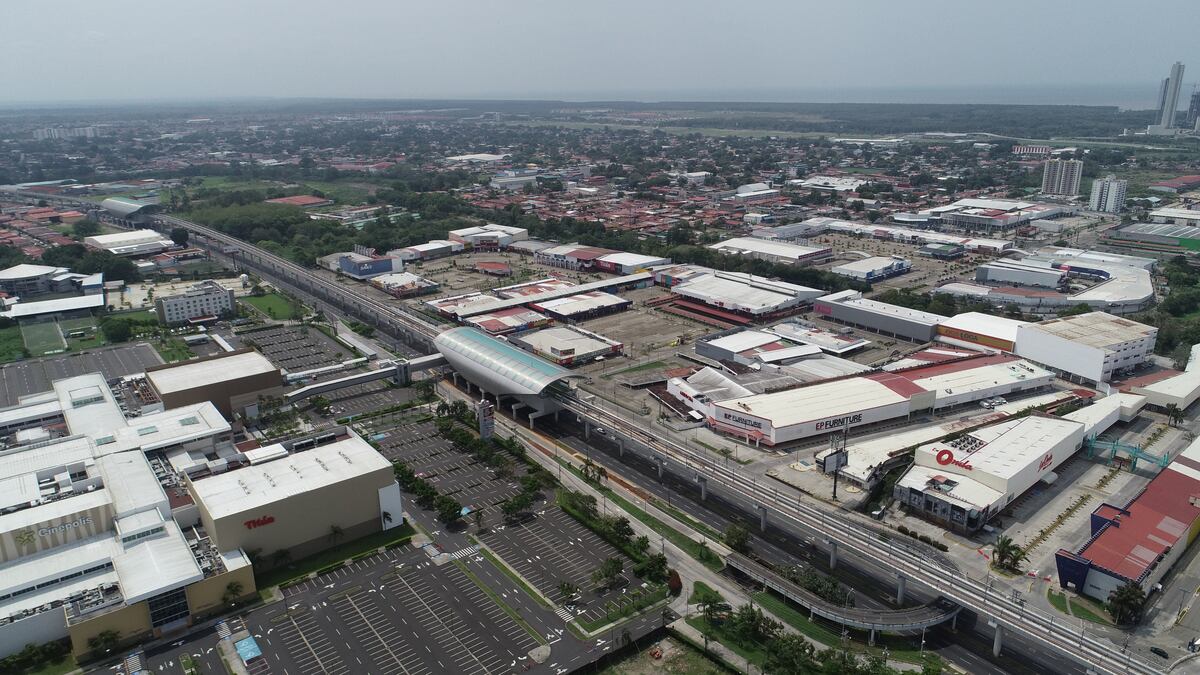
[486,413]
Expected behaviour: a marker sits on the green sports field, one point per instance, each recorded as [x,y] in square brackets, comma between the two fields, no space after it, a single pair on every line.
[42,338]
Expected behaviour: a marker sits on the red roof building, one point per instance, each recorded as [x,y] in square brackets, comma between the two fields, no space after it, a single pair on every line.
[303,201]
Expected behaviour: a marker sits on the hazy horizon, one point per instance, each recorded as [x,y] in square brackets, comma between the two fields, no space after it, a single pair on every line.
[933,51]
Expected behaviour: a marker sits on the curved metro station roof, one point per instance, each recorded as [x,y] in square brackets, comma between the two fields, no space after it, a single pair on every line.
[496,365]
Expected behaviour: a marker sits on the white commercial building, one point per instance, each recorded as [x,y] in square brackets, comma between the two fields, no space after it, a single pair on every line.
[132,243]
[874,268]
[817,409]
[490,235]
[773,251]
[1108,194]
[1089,347]
[963,483]
[1176,216]
[205,299]
[745,293]
[828,183]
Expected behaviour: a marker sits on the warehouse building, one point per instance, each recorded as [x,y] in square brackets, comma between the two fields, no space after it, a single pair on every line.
[628,263]
[1176,216]
[830,342]
[535,287]
[905,235]
[1167,388]
[818,409]
[132,243]
[283,502]
[962,483]
[508,320]
[568,346]
[1029,272]
[204,300]
[1090,347]
[976,378]
[488,237]
[583,306]
[1154,236]
[456,305]
[979,331]
[753,296]
[772,251]
[430,250]
[571,256]
[873,269]
[1141,540]
[850,307]
[234,381]
[404,285]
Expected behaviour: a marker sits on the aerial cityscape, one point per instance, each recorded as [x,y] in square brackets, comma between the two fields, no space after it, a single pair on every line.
[458,375]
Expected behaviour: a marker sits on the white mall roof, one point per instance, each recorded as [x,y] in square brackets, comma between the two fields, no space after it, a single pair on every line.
[872,264]
[818,401]
[24,309]
[171,427]
[96,418]
[27,271]
[192,374]
[997,327]
[258,486]
[744,245]
[852,298]
[156,564]
[1095,329]
[562,338]
[743,340]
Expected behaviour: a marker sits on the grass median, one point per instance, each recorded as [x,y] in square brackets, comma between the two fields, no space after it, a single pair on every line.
[318,561]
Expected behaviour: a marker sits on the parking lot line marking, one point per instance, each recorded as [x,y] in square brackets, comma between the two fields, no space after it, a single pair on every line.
[375,632]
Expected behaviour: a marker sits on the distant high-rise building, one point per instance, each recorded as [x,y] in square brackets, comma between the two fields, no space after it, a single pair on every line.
[1193,117]
[1061,177]
[1108,194]
[1168,96]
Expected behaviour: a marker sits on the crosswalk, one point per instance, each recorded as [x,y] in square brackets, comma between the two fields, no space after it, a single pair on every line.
[462,553]
[564,614]
[223,630]
[133,663]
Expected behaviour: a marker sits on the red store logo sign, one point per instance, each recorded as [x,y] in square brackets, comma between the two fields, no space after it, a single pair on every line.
[259,522]
[945,457]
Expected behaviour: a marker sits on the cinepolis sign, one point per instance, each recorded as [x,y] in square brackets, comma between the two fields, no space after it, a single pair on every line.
[945,457]
[63,527]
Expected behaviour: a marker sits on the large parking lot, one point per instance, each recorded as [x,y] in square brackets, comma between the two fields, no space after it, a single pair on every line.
[297,348]
[454,473]
[34,376]
[365,398]
[553,548]
[396,612]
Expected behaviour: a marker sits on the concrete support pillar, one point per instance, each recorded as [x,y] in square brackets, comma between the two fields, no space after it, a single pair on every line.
[901,582]
[620,446]
[762,517]
[832,554]
[661,464]
[954,622]
[871,640]
[998,641]
[587,430]
[703,486]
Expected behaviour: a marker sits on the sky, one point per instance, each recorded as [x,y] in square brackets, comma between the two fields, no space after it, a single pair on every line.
[1020,51]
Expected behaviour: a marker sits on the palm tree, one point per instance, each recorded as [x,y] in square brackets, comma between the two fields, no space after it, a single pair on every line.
[1006,554]
[477,516]
[1174,414]
[1125,603]
[335,533]
[387,517]
[280,558]
[104,641]
[233,591]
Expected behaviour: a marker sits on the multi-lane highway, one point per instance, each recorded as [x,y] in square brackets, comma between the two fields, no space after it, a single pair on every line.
[1005,612]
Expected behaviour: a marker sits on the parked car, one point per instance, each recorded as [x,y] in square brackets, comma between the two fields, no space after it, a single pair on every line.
[1159,651]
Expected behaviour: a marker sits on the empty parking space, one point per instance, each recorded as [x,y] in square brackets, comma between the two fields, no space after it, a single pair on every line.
[384,648]
[550,549]
[437,607]
[308,646]
[296,348]
[35,376]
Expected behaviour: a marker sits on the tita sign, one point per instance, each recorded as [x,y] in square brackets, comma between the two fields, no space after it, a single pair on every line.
[839,422]
[63,527]
[946,458]
[259,522]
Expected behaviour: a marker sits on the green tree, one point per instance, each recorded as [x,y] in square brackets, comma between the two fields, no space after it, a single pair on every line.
[790,654]
[654,568]
[1174,414]
[104,642]
[179,235]
[116,330]
[1125,603]
[1006,554]
[608,572]
[567,590]
[233,591]
[448,509]
[737,538]
[85,228]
